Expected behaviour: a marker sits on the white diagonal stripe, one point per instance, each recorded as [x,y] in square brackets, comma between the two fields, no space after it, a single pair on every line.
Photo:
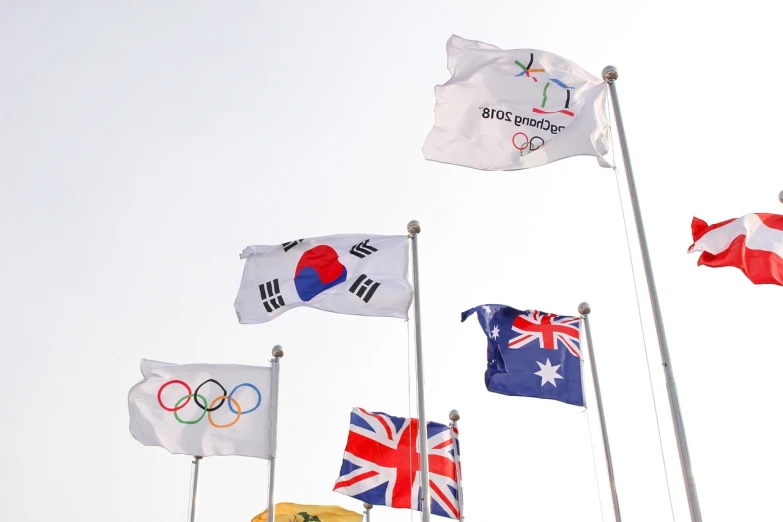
[758,236]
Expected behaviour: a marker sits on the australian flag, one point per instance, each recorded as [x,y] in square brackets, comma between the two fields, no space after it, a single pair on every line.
[531,353]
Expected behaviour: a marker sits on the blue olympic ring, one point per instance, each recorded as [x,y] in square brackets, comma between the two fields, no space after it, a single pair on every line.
[254,408]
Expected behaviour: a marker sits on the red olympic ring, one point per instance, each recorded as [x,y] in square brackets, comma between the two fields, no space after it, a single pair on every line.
[179,407]
[514,143]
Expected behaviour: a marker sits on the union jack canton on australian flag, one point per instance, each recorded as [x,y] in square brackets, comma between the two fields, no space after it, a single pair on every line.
[531,353]
[381,463]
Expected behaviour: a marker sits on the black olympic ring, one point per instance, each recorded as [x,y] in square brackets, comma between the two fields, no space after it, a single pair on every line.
[533,145]
[204,407]
[529,145]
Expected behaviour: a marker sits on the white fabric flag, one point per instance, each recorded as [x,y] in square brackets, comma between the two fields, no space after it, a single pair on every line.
[515,109]
[346,274]
[203,409]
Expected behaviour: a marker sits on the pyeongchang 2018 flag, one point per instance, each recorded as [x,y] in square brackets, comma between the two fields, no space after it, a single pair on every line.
[203,409]
[515,109]
[346,274]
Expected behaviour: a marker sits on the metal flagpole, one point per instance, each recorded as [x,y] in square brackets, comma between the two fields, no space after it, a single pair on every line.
[367,508]
[277,353]
[414,229]
[194,488]
[454,417]
[584,310]
[610,76]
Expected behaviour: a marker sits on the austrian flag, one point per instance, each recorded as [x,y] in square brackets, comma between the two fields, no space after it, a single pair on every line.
[753,243]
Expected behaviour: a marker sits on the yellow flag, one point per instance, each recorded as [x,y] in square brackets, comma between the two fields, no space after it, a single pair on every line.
[288,512]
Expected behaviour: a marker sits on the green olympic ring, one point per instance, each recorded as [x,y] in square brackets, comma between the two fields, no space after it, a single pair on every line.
[185,398]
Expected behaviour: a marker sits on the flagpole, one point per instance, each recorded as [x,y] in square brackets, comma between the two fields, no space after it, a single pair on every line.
[584,310]
[454,417]
[367,508]
[277,353]
[414,229]
[610,77]
[194,488]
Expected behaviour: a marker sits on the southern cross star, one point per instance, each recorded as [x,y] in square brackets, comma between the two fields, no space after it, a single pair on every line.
[495,332]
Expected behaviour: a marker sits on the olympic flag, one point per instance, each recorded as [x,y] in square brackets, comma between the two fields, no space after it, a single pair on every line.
[203,409]
[345,274]
[515,109]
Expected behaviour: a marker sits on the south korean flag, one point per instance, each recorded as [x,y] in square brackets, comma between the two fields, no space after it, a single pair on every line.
[346,274]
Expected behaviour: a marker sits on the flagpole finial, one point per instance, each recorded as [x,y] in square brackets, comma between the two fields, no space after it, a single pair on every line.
[277,351]
[584,309]
[414,227]
[780,196]
[453,415]
[609,73]
[367,505]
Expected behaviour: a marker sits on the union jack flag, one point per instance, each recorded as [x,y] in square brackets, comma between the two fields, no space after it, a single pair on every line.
[381,463]
[546,331]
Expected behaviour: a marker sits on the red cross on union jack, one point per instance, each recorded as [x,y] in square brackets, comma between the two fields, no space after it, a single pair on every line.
[545,331]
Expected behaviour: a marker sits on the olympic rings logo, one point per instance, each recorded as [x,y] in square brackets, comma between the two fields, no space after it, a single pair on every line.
[529,145]
[233,404]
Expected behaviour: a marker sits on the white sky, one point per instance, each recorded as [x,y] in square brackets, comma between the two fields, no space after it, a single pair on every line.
[143,145]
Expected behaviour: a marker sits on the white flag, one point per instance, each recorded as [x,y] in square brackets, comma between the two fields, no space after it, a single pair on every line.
[515,109]
[345,274]
[203,409]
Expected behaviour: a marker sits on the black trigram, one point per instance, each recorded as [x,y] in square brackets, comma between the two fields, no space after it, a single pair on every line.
[364,287]
[363,249]
[291,244]
[270,295]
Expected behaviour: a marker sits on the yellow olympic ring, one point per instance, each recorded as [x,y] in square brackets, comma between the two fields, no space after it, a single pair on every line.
[236,404]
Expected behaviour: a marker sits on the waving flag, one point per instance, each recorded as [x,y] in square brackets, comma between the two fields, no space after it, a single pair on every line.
[345,274]
[203,409]
[752,243]
[515,109]
[288,512]
[531,353]
[381,463]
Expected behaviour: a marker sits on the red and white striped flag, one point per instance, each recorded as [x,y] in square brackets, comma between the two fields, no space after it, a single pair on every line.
[753,243]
